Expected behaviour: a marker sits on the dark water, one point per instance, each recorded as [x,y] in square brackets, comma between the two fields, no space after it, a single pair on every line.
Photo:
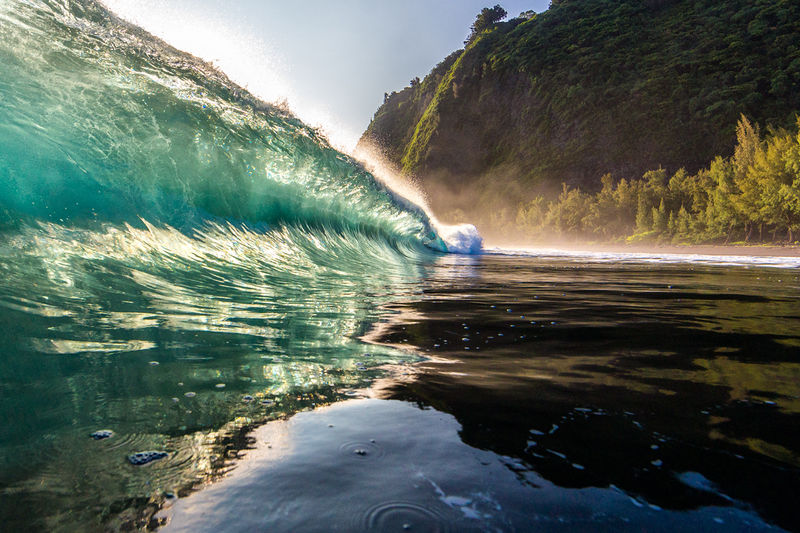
[559,396]
[602,395]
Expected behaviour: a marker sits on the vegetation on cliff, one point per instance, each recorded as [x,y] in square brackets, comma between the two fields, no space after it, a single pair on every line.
[753,195]
[588,88]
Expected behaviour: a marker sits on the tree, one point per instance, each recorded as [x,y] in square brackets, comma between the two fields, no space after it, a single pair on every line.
[566,214]
[644,216]
[775,178]
[683,223]
[660,220]
[745,191]
[488,17]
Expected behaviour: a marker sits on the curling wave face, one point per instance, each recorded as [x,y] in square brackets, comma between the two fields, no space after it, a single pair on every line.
[103,122]
[169,245]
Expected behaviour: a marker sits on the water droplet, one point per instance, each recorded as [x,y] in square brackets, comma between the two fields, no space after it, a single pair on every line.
[102,434]
[220,385]
[143,458]
[190,394]
[153,363]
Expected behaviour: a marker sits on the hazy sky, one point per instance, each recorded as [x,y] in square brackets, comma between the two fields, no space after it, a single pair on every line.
[331,60]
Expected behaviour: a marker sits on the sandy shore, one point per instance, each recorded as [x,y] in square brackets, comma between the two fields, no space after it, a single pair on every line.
[704,249]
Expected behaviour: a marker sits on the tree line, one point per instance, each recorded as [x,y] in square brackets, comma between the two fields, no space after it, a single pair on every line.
[752,196]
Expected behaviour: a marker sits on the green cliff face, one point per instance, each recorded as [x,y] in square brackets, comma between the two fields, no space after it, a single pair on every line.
[590,87]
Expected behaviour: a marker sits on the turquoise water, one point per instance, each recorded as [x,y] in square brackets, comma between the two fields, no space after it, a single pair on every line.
[169,247]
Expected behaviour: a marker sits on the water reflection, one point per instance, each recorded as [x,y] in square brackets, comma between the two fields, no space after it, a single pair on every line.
[662,386]
[177,343]
[678,385]
[379,465]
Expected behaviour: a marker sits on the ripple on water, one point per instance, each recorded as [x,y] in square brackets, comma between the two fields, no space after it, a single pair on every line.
[363,449]
[129,441]
[403,516]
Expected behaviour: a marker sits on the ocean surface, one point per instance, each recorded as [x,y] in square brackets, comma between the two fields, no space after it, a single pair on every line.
[187,270]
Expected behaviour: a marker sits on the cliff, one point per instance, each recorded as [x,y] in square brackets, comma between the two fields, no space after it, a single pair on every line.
[591,87]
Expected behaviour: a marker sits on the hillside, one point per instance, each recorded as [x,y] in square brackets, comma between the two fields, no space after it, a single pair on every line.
[586,88]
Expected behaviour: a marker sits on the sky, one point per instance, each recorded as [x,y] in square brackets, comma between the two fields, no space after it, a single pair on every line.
[330,60]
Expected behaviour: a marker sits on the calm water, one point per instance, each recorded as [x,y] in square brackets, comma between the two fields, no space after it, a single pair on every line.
[677,385]
[644,395]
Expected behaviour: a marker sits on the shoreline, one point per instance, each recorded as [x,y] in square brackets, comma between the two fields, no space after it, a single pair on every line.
[734,250]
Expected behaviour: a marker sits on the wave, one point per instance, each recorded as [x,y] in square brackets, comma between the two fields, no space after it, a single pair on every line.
[171,249]
[103,123]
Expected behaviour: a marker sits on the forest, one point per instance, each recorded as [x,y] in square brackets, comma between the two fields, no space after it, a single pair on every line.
[752,196]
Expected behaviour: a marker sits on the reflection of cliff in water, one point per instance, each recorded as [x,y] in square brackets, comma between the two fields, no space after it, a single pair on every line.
[677,385]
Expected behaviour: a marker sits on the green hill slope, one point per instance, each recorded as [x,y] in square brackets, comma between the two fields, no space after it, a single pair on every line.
[590,87]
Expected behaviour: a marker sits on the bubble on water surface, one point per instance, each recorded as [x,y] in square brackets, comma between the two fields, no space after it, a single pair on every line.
[369,450]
